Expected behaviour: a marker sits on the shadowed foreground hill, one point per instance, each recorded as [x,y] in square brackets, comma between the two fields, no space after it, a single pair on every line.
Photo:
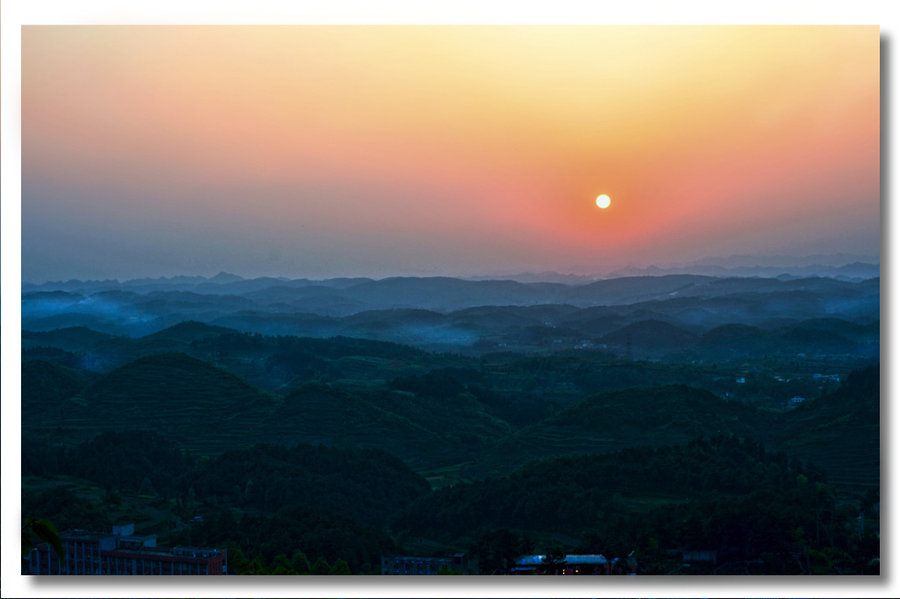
[840,431]
[761,513]
[578,492]
[46,392]
[207,409]
[263,501]
[625,418]
[366,485]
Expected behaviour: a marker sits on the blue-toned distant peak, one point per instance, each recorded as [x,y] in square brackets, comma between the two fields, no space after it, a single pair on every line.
[225,277]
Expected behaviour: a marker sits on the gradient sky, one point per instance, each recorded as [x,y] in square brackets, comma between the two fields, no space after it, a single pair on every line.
[377,151]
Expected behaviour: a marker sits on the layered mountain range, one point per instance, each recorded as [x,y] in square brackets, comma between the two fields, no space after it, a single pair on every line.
[464,315]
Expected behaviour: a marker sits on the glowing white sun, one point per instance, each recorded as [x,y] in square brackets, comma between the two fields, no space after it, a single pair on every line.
[603,201]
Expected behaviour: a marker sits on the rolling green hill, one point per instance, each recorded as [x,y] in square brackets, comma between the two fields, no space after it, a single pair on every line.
[73,339]
[367,485]
[188,331]
[47,392]
[207,409]
[655,336]
[839,432]
[442,410]
[574,493]
[625,418]
[758,511]
[425,432]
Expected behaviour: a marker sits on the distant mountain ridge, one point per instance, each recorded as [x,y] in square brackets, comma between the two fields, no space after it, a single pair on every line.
[445,312]
[850,266]
[851,272]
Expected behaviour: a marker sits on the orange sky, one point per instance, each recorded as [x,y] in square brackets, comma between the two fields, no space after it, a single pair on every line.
[323,151]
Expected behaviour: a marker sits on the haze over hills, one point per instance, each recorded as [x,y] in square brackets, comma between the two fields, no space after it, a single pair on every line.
[435,312]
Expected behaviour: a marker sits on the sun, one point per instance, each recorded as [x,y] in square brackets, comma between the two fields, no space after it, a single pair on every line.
[603,201]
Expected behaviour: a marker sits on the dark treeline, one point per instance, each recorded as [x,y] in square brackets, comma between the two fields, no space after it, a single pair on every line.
[277,508]
[116,461]
[573,493]
[258,543]
[759,511]
[364,484]
[332,503]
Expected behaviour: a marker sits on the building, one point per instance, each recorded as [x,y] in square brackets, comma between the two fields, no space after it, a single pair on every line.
[123,553]
[421,566]
[587,564]
[695,556]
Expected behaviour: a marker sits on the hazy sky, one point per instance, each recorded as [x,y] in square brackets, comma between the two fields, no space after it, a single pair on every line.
[363,150]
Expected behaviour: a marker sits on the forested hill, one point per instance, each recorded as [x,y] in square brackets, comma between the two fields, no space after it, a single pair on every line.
[467,417]
[757,511]
[208,409]
[578,492]
[266,500]
[840,431]
[625,418]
